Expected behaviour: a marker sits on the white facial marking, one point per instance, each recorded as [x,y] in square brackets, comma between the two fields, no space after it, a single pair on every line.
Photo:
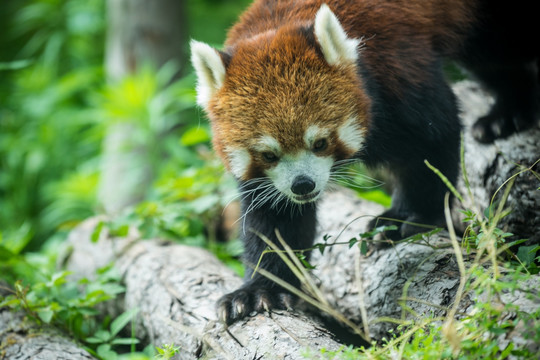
[239,161]
[209,69]
[268,143]
[351,134]
[336,46]
[313,133]
[305,163]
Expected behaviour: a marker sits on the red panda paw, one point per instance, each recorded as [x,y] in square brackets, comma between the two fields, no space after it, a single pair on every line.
[252,299]
[499,125]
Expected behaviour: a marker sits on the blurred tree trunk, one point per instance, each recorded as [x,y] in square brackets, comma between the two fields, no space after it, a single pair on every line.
[140,33]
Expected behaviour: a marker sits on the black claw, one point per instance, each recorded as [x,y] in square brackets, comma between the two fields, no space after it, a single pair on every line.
[496,125]
[488,128]
[240,303]
[287,301]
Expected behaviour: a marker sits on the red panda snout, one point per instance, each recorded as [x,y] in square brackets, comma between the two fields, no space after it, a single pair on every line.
[301,177]
[302,185]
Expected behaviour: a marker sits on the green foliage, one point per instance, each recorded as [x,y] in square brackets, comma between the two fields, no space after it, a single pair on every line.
[54,298]
[46,127]
[361,240]
[106,339]
[56,107]
[222,14]
[168,351]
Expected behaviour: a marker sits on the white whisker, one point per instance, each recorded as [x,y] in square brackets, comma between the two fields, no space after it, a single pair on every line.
[345,174]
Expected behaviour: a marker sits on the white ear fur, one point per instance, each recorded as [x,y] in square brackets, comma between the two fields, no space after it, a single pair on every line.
[209,69]
[336,46]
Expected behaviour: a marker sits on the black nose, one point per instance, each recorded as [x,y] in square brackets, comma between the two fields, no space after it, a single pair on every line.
[302,185]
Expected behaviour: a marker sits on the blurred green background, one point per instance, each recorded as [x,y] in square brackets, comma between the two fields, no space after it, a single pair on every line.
[56,106]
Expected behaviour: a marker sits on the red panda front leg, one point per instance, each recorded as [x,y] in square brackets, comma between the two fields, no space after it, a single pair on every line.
[296,225]
[418,197]
[432,134]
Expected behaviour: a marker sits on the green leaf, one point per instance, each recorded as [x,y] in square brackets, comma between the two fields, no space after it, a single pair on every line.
[507,351]
[320,246]
[377,196]
[120,231]
[15,241]
[121,321]
[93,340]
[305,262]
[205,203]
[490,210]
[16,65]
[125,341]
[194,136]
[527,254]
[106,353]
[101,336]
[45,315]
[97,232]
[363,247]
[58,279]
[9,301]
[5,253]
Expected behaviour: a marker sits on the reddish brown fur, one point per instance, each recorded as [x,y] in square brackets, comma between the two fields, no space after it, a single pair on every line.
[386,25]
[275,77]
[288,88]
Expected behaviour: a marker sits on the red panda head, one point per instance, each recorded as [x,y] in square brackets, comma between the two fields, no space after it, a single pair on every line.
[285,105]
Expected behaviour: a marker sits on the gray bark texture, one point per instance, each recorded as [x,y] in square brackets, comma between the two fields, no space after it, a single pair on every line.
[490,166]
[21,339]
[176,287]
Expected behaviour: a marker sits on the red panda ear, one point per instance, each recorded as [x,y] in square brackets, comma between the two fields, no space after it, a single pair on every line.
[336,46]
[210,71]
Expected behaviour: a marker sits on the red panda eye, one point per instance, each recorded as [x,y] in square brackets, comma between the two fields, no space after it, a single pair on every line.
[320,145]
[270,156]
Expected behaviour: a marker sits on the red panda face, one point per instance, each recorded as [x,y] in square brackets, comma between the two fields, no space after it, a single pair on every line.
[284,110]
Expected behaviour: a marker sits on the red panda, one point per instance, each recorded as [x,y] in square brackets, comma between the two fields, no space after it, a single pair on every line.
[303,87]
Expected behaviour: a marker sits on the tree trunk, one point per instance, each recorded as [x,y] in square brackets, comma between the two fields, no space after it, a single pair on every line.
[140,32]
[143,32]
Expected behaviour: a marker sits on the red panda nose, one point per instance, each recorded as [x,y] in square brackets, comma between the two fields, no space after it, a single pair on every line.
[302,185]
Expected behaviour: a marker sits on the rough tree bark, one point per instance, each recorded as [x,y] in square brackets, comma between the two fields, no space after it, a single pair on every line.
[23,339]
[176,288]
[490,166]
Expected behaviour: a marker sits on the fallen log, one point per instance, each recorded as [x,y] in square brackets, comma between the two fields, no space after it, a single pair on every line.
[490,167]
[176,287]
[23,339]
